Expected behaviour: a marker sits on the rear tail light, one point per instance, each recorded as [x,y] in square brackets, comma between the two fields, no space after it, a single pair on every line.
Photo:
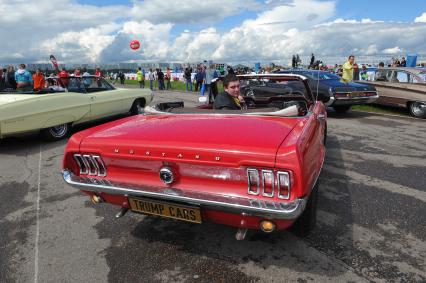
[268,182]
[253,181]
[283,185]
[91,165]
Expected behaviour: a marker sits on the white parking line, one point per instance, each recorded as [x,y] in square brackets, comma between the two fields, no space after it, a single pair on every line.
[37,221]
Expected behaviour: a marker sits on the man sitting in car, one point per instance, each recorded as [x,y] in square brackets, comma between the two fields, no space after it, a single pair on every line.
[231,98]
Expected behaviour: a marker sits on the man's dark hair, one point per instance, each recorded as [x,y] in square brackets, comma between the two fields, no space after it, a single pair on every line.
[381,64]
[229,78]
[351,56]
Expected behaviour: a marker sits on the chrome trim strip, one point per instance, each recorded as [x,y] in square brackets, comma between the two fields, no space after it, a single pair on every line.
[233,204]
[361,97]
[250,192]
[102,172]
[91,163]
[264,172]
[287,196]
[328,103]
[79,159]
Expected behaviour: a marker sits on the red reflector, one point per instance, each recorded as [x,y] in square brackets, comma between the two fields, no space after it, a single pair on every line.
[253,181]
[268,183]
[283,185]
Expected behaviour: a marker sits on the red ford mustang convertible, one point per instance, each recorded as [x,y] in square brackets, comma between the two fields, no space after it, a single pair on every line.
[250,169]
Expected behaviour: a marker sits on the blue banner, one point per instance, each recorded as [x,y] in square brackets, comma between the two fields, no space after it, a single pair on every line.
[411,60]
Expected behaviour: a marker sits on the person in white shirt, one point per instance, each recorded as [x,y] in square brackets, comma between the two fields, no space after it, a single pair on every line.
[151,77]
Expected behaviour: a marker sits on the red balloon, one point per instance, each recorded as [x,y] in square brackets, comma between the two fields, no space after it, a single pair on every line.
[134,44]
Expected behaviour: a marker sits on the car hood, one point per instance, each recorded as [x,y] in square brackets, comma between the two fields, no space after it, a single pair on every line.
[350,86]
[220,139]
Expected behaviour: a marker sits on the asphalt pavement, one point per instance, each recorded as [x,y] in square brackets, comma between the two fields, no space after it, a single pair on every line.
[371,221]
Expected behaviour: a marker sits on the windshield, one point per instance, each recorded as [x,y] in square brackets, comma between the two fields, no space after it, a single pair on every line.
[422,75]
[320,75]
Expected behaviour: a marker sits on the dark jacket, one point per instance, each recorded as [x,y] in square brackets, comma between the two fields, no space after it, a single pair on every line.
[225,101]
[2,83]
[10,80]
[160,75]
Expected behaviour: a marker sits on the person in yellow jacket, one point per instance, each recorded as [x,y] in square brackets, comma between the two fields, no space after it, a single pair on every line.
[141,78]
[348,69]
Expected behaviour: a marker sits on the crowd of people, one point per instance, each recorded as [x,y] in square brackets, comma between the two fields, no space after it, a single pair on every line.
[197,80]
[22,80]
[200,80]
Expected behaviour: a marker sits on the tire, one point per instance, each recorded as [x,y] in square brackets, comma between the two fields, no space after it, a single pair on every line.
[342,108]
[308,219]
[325,135]
[56,133]
[137,107]
[417,109]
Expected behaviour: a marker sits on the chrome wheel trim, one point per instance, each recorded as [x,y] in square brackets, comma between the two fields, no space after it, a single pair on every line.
[58,131]
[418,108]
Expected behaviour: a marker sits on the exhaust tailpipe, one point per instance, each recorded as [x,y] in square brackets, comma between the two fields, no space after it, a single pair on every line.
[241,234]
[122,212]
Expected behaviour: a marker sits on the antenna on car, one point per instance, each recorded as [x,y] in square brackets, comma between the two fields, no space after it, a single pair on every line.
[316,98]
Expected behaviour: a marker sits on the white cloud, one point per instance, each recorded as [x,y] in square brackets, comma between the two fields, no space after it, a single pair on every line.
[88,43]
[189,11]
[421,19]
[27,27]
[81,33]
[394,50]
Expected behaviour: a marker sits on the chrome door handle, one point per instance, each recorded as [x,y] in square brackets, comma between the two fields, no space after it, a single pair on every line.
[321,117]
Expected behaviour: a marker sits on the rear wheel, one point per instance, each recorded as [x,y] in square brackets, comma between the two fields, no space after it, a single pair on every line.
[307,220]
[417,109]
[56,133]
[137,107]
[342,108]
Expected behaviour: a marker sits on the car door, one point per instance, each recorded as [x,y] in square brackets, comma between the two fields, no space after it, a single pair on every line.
[105,99]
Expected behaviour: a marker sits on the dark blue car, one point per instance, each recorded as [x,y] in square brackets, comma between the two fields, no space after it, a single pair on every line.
[330,90]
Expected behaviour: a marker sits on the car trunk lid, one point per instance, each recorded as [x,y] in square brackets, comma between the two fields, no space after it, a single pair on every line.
[211,139]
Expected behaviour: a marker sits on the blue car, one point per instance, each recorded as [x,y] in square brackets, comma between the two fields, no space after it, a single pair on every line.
[333,92]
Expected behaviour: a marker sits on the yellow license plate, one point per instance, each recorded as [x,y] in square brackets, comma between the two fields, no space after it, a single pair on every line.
[181,212]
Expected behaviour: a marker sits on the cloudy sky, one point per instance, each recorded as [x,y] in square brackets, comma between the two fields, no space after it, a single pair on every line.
[99,31]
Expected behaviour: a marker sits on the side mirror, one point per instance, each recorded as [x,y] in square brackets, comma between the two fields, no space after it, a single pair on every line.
[203,99]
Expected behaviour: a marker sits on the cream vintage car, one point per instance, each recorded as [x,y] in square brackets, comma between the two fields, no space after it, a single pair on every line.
[65,103]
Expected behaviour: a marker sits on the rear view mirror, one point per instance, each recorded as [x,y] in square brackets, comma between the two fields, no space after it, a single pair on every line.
[202,99]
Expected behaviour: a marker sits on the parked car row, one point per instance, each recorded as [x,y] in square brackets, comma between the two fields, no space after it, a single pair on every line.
[333,92]
[255,168]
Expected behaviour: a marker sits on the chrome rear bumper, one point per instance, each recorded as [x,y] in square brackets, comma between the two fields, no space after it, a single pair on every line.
[228,203]
[354,100]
